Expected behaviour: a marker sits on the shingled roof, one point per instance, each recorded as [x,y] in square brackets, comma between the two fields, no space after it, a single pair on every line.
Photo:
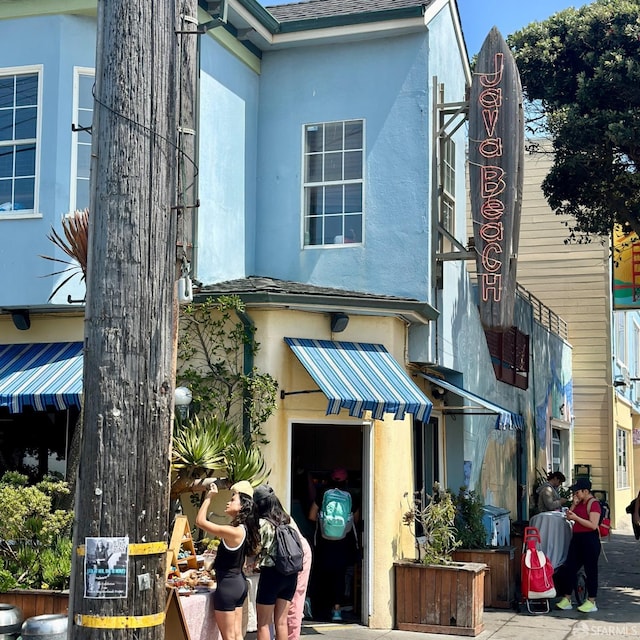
[329,8]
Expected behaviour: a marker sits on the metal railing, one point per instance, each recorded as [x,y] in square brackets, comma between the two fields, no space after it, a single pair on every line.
[545,316]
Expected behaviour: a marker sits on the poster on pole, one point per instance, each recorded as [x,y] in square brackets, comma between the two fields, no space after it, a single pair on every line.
[106,567]
[626,270]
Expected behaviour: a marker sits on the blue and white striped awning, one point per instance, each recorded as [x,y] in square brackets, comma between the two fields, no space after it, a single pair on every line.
[361,377]
[505,419]
[41,376]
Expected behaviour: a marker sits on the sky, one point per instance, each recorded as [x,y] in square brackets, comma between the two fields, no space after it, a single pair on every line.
[479,16]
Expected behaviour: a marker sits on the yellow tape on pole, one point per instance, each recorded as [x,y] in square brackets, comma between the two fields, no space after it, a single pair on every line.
[119,622]
[137,548]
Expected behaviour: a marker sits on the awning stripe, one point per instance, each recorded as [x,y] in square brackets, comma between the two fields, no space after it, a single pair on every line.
[360,377]
[505,419]
[41,375]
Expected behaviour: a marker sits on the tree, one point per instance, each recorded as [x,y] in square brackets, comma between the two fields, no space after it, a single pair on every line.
[581,68]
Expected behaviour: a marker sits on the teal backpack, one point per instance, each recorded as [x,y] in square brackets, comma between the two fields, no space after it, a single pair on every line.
[335,517]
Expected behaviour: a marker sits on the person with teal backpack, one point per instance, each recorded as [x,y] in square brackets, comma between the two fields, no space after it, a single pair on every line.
[335,541]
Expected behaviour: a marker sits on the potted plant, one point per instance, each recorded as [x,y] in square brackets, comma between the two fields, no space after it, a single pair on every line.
[501,578]
[35,545]
[434,593]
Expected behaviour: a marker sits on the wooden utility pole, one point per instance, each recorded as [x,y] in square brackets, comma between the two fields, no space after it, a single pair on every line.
[130,324]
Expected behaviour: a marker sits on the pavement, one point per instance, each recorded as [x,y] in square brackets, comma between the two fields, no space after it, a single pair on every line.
[618,612]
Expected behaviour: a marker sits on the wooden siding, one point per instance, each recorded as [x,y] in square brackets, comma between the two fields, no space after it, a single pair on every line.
[573,280]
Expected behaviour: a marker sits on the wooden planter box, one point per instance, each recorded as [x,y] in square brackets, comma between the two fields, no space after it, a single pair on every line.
[500,581]
[36,602]
[440,598]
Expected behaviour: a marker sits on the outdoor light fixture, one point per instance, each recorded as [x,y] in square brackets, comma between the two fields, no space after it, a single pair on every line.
[182,398]
[339,322]
[437,392]
[21,319]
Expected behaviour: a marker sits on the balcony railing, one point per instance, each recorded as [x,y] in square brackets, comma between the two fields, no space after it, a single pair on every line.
[545,316]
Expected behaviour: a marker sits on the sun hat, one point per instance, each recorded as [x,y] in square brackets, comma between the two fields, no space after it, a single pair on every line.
[243,487]
[581,484]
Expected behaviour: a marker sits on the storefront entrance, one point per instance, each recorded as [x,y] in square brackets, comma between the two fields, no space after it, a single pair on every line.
[316,450]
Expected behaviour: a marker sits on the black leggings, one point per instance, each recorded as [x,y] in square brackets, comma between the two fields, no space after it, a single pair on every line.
[584,550]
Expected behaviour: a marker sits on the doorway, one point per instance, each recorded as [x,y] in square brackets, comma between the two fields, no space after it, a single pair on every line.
[428,450]
[316,450]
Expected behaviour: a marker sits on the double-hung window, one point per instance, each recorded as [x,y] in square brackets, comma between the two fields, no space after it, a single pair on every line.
[19,128]
[622,473]
[83,80]
[333,183]
[448,181]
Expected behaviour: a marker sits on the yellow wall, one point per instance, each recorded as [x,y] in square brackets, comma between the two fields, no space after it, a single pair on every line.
[392,464]
[620,497]
[44,328]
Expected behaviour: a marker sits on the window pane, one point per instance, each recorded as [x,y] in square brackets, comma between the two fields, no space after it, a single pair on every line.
[353,198]
[333,137]
[24,190]
[7,91]
[82,194]
[314,169]
[85,92]
[6,124]
[333,200]
[27,90]
[26,120]
[353,165]
[333,230]
[25,160]
[314,201]
[313,230]
[85,118]
[353,226]
[6,162]
[84,160]
[314,138]
[353,135]
[6,197]
[333,167]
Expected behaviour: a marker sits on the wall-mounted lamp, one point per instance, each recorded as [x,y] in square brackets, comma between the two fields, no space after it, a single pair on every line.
[21,319]
[619,382]
[438,392]
[339,322]
[182,398]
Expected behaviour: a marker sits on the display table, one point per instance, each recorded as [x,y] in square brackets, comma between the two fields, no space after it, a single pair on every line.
[198,611]
[555,535]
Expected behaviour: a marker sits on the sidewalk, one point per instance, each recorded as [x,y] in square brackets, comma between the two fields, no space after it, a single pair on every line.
[618,612]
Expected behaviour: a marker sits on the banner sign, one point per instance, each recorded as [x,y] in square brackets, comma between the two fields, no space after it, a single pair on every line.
[626,270]
[496,156]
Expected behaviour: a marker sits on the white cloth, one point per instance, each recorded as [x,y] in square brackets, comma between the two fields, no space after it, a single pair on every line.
[555,535]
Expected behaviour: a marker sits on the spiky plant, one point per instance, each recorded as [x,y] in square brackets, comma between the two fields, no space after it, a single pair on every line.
[75,244]
[246,464]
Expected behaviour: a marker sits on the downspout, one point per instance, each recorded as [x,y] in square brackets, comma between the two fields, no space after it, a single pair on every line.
[247,368]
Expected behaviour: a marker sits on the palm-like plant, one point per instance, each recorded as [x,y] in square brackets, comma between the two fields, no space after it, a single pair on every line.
[75,244]
[246,464]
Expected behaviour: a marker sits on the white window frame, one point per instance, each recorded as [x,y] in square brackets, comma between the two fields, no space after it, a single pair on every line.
[562,431]
[448,184]
[622,458]
[340,240]
[75,141]
[35,212]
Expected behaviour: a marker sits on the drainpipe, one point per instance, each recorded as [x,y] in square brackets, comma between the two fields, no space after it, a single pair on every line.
[247,366]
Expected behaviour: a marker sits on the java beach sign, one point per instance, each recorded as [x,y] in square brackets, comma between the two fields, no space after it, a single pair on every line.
[496,156]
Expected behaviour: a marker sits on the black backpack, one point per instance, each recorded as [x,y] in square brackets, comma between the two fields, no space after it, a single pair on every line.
[288,552]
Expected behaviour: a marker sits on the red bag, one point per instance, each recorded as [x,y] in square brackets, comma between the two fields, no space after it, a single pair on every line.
[537,572]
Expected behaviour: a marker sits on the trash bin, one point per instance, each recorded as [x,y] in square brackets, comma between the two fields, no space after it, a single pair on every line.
[46,627]
[497,525]
[10,621]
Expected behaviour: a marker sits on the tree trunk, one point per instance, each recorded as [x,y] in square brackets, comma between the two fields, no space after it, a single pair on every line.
[129,361]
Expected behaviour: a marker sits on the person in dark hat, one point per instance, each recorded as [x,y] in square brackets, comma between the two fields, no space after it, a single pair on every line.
[584,549]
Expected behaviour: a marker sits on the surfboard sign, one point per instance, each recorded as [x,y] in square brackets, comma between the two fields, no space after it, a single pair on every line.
[496,157]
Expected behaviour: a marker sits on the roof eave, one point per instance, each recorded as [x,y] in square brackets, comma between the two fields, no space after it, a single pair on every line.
[415,312]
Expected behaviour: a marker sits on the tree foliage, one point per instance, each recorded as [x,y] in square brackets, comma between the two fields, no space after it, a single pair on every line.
[581,67]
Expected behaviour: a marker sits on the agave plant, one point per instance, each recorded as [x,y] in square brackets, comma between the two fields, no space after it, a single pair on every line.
[199,447]
[246,464]
[75,244]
